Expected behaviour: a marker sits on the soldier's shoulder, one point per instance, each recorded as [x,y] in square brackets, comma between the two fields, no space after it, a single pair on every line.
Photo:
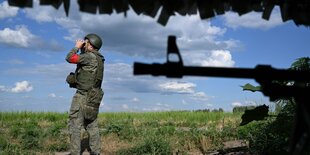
[90,55]
[87,58]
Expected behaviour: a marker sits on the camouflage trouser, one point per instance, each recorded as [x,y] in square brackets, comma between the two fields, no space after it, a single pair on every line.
[77,123]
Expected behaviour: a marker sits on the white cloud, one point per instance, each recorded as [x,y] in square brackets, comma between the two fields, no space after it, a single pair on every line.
[43,16]
[236,104]
[125,106]
[20,37]
[3,88]
[186,88]
[135,99]
[200,96]
[72,26]
[252,20]
[194,29]
[41,13]
[202,45]
[23,86]
[221,58]
[177,87]
[7,11]
[52,95]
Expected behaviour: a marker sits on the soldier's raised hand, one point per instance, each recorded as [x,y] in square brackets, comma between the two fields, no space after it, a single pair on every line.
[79,43]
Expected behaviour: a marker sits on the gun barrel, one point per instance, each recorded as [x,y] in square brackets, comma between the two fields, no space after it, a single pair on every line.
[155,69]
[260,72]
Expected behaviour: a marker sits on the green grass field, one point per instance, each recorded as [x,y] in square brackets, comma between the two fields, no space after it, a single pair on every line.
[183,132]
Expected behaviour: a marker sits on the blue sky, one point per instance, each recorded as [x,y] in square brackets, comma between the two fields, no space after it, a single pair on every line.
[34,43]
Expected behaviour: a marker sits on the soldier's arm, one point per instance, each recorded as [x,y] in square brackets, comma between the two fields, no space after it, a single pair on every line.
[72,56]
[83,59]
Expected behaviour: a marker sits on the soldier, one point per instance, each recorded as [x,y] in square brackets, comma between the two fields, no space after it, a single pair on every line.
[85,104]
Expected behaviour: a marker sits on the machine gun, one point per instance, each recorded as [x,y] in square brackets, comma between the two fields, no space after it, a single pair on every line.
[265,75]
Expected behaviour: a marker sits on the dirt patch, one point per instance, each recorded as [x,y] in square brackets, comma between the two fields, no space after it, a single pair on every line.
[235,147]
[110,144]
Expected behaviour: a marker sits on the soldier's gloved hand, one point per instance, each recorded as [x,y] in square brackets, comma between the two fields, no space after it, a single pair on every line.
[79,43]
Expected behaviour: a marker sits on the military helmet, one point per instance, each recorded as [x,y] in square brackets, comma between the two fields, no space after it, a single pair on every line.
[94,40]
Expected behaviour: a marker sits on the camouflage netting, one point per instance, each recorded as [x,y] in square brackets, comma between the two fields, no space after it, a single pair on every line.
[296,10]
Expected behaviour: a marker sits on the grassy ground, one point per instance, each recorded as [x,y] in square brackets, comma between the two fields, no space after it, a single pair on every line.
[180,132]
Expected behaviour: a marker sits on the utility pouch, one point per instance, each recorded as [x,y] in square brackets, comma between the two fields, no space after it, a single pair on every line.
[93,100]
[71,80]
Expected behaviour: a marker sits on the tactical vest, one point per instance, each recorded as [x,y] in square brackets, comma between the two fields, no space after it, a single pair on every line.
[86,79]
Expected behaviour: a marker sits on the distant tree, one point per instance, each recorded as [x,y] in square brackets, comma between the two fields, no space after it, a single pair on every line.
[215,110]
[202,110]
[221,110]
[206,110]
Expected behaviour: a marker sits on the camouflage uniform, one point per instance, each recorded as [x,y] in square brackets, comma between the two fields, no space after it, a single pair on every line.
[87,65]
